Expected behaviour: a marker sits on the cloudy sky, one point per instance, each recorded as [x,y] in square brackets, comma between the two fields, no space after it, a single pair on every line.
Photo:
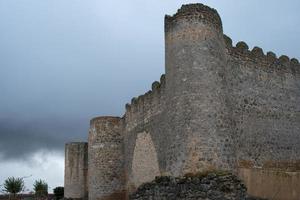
[63,62]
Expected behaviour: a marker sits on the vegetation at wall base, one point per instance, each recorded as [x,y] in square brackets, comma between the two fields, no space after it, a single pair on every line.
[58,193]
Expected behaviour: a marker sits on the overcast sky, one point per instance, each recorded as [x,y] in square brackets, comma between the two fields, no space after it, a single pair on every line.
[63,62]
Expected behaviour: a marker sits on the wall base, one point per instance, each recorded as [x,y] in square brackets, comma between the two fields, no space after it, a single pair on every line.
[271,184]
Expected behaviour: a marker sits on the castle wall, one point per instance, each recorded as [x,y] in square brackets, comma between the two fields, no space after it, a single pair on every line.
[144,132]
[76,166]
[265,92]
[106,159]
[217,107]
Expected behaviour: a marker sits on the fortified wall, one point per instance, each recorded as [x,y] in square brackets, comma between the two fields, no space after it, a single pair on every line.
[218,106]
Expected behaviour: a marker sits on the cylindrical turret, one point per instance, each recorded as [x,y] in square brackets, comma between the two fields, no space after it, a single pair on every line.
[106,159]
[76,166]
[197,115]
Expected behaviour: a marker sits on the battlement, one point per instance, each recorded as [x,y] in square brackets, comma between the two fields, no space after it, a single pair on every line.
[156,88]
[75,144]
[194,13]
[144,107]
[257,55]
[112,119]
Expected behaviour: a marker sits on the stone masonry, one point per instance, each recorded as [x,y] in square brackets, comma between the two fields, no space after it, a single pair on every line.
[218,107]
[76,168]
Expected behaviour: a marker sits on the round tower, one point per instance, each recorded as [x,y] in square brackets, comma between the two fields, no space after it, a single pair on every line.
[106,164]
[199,125]
[76,166]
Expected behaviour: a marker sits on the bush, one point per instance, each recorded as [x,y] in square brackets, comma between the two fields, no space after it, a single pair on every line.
[58,192]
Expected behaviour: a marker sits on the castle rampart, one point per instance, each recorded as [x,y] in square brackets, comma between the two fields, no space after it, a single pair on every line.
[218,106]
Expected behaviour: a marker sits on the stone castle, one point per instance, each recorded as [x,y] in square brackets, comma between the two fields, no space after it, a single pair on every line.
[218,106]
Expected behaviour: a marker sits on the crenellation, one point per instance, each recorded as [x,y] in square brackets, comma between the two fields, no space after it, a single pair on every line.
[194,13]
[155,86]
[127,107]
[242,47]
[134,101]
[284,59]
[138,103]
[257,52]
[271,57]
[217,106]
[294,61]
[145,107]
[228,41]
[163,80]
[265,62]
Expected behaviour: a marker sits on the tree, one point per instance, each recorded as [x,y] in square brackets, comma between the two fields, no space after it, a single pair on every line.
[40,188]
[13,186]
[58,193]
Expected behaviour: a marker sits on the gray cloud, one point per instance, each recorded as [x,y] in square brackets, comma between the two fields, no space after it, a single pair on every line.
[20,139]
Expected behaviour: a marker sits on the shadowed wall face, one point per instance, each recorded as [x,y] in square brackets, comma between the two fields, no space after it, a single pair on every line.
[76,166]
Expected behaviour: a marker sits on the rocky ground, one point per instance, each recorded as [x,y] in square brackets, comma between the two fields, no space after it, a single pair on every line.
[204,186]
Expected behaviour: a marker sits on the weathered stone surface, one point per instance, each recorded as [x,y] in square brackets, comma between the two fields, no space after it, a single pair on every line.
[106,178]
[76,169]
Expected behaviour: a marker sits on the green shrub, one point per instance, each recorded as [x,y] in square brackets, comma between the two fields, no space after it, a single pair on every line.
[58,192]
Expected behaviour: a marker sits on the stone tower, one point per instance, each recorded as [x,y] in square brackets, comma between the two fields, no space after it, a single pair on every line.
[76,169]
[195,83]
[106,170]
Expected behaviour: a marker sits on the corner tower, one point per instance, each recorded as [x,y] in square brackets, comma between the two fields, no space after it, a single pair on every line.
[199,132]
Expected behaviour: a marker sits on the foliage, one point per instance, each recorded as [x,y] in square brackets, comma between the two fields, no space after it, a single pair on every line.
[58,192]
[13,186]
[40,188]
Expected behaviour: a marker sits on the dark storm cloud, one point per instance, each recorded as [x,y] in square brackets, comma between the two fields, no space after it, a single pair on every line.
[64,62]
[20,139]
